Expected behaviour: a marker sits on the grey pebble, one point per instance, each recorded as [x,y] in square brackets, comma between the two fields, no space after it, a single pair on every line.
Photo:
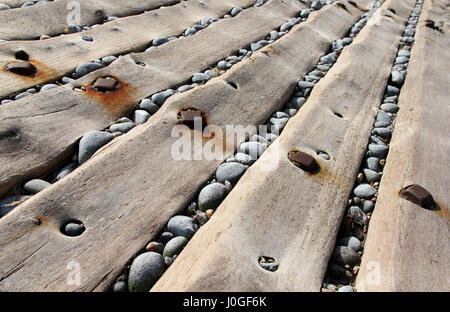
[316,5]
[371,175]
[378,151]
[389,108]
[346,289]
[123,127]
[200,78]
[304,13]
[364,191]
[4,7]
[305,84]
[244,159]
[351,242]
[165,237]
[71,29]
[120,286]
[48,87]
[160,97]
[145,270]
[149,106]
[91,142]
[22,95]
[182,226]
[35,186]
[230,172]
[73,229]
[107,60]
[373,163]
[383,117]
[65,171]
[159,41]
[185,88]
[391,90]
[382,132]
[368,206]
[235,11]
[175,246]
[344,255]
[397,78]
[211,196]
[86,68]
[254,149]
[140,116]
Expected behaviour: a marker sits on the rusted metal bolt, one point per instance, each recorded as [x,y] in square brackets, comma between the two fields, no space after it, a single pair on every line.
[190,116]
[418,195]
[21,68]
[304,161]
[107,84]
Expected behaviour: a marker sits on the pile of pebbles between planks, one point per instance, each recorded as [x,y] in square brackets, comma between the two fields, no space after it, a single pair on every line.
[4,7]
[94,140]
[86,68]
[344,264]
[143,271]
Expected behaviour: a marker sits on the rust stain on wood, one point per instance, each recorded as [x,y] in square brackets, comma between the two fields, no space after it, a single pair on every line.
[117,102]
[44,73]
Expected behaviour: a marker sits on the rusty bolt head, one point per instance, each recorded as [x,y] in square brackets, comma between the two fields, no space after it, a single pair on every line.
[107,84]
[418,195]
[188,118]
[304,161]
[21,68]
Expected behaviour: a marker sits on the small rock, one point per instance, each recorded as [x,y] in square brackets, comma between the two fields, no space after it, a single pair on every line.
[397,78]
[254,149]
[316,5]
[305,84]
[123,127]
[211,196]
[346,289]
[160,97]
[91,142]
[140,116]
[182,226]
[390,108]
[235,11]
[155,247]
[175,246]
[107,60]
[74,229]
[149,106]
[373,163]
[344,255]
[371,175]
[120,286]
[86,68]
[71,29]
[244,159]
[145,270]
[230,172]
[378,151]
[165,237]
[351,242]
[159,41]
[368,206]
[35,186]
[364,191]
[48,87]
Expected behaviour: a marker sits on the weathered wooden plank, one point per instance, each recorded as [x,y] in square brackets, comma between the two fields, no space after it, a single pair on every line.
[41,133]
[51,18]
[121,189]
[407,247]
[286,213]
[61,55]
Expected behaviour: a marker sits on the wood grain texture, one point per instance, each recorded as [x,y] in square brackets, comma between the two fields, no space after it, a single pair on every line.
[59,56]
[51,18]
[278,210]
[407,247]
[48,124]
[121,195]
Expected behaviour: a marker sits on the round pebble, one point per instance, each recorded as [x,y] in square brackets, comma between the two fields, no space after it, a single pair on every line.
[91,142]
[174,246]
[230,172]
[145,270]
[35,186]
[211,196]
[182,226]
